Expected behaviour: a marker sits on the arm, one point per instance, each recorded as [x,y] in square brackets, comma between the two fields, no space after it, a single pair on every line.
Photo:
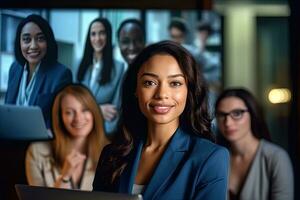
[33,166]
[282,179]
[118,93]
[116,102]
[11,74]
[73,161]
[213,177]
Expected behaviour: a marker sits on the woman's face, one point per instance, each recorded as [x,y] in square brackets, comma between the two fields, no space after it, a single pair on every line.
[33,43]
[177,35]
[233,119]
[161,90]
[98,37]
[131,41]
[78,119]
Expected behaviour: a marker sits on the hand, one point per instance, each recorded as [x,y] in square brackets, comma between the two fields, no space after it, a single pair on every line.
[109,111]
[73,160]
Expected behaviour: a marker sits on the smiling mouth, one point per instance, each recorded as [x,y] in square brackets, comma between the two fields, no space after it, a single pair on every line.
[230,131]
[161,109]
[33,54]
[131,56]
[79,126]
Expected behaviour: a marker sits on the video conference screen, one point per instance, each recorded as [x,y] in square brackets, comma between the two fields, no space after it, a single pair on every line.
[200,32]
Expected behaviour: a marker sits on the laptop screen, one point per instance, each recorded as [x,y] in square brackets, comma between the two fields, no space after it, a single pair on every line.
[26,192]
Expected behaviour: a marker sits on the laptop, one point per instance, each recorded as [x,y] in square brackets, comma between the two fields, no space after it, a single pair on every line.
[22,123]
[27,192]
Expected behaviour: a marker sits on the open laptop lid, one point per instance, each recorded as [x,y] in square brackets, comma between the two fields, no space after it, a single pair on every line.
[22,123]
[26,192]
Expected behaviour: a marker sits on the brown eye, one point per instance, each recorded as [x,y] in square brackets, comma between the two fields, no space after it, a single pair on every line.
[175,83]
[26,39]
[148,83]
[93,33]
[102,33]
[237,114]
[41,38]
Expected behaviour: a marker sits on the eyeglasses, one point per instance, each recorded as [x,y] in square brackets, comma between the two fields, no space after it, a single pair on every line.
[235,114]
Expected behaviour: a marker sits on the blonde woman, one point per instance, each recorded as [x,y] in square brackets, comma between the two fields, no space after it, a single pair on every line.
[70,160]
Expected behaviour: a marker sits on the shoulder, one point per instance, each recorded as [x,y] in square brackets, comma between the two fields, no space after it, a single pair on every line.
[209,160]
[271,150]
[15,66]
[40,148]
[58,71]
[118,63]
[273,153]
[119,66]
[57,67]
[202,152]
[207,149]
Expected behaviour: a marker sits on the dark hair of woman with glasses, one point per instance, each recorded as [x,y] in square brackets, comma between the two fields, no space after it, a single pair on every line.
[259,169]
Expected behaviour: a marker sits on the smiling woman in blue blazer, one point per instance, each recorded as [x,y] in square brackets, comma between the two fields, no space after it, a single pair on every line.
[36,75]
[164,148]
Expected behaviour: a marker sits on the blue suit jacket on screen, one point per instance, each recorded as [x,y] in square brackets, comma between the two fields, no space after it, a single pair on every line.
[190,168]
[49,79]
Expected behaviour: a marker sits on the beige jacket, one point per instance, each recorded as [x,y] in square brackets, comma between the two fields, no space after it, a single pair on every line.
[41,169]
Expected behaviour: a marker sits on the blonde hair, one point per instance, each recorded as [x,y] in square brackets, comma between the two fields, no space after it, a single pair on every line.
[96,140]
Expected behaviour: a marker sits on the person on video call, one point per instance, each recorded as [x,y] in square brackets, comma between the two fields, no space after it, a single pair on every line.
[259,169]
[211,67]
[35,76]
[164,148]
[70,160]
[178,31]
[101,73]
[131,37]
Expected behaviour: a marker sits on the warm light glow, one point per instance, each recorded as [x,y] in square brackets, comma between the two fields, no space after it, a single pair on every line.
[279,95]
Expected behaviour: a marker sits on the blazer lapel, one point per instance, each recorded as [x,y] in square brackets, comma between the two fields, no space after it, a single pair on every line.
[168,163]
[88,175]
[14,87]
[38,83]
[128,176]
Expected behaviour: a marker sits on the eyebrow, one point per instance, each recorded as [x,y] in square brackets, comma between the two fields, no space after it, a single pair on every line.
[28,34]
[156,76]
[235,109]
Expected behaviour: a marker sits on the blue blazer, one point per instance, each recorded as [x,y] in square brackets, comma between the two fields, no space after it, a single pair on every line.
[49,79]
[190,168]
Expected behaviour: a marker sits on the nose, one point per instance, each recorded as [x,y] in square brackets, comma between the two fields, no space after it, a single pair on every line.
[162,92]
[33,44]
[97,37]
[78,117]
[131,45]
[228,121]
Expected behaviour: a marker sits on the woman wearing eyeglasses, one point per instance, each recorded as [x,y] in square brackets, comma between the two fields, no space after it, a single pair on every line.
[259,169]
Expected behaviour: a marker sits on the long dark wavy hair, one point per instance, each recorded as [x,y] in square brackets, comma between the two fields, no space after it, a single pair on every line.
[51,54]
[259,127]
[194,119]
[107,60]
